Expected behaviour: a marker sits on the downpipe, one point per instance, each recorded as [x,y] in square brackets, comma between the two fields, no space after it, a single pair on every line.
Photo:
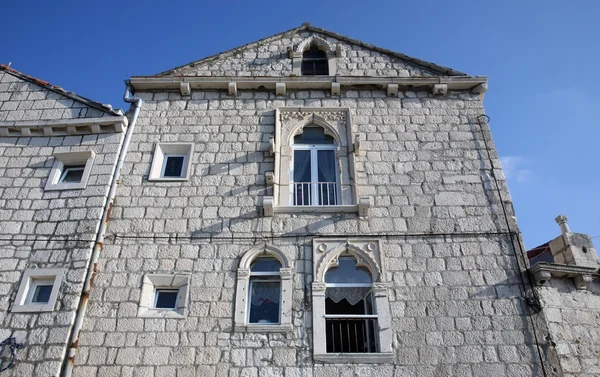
[69,363]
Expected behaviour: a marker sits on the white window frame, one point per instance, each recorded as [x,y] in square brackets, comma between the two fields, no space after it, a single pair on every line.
[242,303]
[326,252]
[62,161]
[314,172]
[252,281]
[30,280]
[159,161]
[156,282]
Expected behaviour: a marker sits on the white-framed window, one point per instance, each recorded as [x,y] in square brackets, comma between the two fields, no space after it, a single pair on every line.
[70,171]
[315,56]
[351,313]
[164,295]
[264,292]
[314,173]
[171,162]
[38,290]
[315,153]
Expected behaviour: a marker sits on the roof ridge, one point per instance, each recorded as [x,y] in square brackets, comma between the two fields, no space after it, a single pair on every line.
[59,90]
[307,26]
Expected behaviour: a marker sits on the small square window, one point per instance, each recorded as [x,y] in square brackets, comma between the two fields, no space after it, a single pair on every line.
[171,162]
[38,290]
[173,166]
[70,171]
[166,298]
[72,174]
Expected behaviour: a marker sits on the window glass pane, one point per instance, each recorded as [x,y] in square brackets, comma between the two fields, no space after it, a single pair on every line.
[72,174]
[173,166]
[327,178]
[301,166]
[264,301]
[166,299]
[41,295]
[347,272]
[313,135]
[265,265]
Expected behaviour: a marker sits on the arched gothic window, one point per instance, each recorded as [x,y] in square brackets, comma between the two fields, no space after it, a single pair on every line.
[314,176]
[350,319]
[314,62]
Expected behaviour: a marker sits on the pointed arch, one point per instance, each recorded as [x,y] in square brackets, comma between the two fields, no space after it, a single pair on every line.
[363,259]
[321,43]
[316,120]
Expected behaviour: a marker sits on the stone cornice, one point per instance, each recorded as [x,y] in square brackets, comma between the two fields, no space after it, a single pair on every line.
[63,127]
[582,276]
[477,84]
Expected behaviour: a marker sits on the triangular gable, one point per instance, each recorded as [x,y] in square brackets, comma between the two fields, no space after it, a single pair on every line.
[270,57]
[17,83]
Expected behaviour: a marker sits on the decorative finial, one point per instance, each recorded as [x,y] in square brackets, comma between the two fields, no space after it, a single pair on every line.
[306,24]
[561,220]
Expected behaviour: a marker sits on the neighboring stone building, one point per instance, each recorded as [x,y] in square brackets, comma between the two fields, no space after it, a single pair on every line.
[566,273]
[307,205]
[58,153]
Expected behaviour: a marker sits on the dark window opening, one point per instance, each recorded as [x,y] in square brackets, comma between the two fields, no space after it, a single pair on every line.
[166,299]
[173,166]
[314,62]
[42,294]
[265,291]
[72,174]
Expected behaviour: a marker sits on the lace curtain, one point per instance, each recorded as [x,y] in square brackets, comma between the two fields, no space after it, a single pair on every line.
[265,293]
[352,294]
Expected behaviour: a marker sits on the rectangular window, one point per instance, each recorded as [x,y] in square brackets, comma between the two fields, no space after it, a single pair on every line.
[166,298]
[173,166]
[40,291]
[315,177]
[72,174]
[264,302]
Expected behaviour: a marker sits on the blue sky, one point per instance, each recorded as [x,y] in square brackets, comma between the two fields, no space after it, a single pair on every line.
[541,58]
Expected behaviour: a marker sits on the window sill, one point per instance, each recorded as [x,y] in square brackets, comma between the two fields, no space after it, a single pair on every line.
[161,313]
[355,358]
[158,179]
[362,208]
[260,328]
[64,186]
[32,308]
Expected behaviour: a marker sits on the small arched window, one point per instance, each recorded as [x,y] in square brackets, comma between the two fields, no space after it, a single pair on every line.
[314,62]
[263,301]
[314,177]
[350,318]
[264,295]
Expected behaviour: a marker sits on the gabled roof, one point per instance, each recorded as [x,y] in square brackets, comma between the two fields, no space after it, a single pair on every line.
[308,27]
[57,89]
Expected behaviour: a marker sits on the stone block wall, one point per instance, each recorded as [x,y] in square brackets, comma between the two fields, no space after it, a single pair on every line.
[46,229]
[454,290]
[270,58]
[572,318]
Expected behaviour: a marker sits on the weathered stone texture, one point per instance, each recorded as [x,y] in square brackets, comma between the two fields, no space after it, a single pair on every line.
[456,300]
[572,316]
[45,229]
[21,100]
[270,58]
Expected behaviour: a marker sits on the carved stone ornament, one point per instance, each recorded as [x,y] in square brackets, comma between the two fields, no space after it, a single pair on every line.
[328,115]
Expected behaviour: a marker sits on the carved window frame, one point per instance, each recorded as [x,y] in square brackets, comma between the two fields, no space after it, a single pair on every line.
[241,323]
[337,122]
[368,254]
[332,52]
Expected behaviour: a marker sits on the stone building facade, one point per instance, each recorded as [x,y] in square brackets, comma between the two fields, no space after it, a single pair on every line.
[58,152]
[415,209]
[307,205]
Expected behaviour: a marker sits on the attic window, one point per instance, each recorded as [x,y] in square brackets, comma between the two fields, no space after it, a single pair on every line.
[314,62]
